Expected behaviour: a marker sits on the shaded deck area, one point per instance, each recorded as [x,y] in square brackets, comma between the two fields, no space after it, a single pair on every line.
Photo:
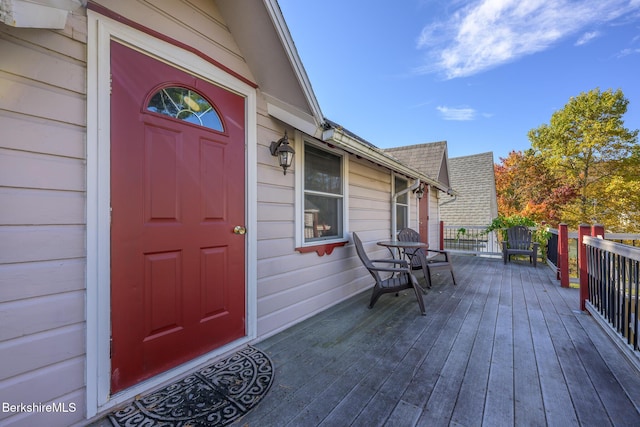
[506,346]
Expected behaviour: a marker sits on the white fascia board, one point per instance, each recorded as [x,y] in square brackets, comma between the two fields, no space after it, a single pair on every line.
[376,155]
[50,14]
[68,5]
[290,48]
[292,116]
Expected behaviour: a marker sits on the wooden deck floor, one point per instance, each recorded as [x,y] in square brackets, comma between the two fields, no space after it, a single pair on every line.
[506,346]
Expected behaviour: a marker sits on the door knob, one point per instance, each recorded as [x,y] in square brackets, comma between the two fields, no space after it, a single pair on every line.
[238,229]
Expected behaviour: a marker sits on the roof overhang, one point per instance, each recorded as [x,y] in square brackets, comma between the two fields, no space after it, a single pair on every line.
[293,116]
[345,141]
[51,14]
[269,50]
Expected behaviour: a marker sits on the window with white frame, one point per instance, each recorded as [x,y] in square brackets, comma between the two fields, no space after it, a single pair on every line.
[323,184]
[402,203]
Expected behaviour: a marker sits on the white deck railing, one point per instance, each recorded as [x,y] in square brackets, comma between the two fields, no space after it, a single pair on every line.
[471,239]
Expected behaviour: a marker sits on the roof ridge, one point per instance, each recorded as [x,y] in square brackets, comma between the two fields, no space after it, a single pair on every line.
[414,146]
[473,155]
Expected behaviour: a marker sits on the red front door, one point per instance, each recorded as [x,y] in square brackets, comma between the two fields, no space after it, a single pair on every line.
[177,192]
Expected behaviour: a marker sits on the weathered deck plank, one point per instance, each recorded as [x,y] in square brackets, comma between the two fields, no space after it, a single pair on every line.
[555,394]
[470,403]
[499,404]
[589,408]
[504,347]
[529,410]
[443,398]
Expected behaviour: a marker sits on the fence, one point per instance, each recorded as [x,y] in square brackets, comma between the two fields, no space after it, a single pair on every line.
[572,249]
[474,239]
[470,239]
[613,280]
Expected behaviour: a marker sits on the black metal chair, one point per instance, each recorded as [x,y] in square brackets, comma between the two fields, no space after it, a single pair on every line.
[519,242]
[400,277]
[420,259]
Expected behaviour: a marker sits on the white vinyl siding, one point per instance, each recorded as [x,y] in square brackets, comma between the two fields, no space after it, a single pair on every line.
[293,286]
[42,220]
[43,184]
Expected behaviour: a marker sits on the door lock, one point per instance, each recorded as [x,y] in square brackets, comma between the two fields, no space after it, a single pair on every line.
[238,229]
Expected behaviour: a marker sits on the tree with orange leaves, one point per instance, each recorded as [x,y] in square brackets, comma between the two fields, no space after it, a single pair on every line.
[525,187]
[582,167]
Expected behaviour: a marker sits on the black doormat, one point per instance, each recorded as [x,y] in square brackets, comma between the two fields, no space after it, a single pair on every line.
[214,396]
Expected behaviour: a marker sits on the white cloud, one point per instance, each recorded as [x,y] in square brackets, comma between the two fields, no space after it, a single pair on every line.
[458,114]
[486,33]
[627,52]
[587,37]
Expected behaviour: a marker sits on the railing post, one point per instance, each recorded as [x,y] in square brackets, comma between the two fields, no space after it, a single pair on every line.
[583,230]
[597,230]
[442,235]
[563,254]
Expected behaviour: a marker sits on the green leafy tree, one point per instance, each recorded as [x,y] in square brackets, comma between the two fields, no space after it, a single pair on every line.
[619,205]
[587,148]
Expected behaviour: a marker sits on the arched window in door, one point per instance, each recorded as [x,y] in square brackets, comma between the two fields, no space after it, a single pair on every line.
[185,104]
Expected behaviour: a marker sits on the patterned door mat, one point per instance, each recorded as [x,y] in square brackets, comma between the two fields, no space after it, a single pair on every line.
[214,396]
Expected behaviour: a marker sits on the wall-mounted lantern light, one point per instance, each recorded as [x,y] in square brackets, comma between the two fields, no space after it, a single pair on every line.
[420,191]
[283,151]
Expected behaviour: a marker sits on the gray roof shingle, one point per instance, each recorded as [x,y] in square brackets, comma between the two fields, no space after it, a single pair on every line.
[474,180]
[429,158]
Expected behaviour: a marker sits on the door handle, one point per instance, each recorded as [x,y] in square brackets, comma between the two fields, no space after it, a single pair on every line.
[238,229]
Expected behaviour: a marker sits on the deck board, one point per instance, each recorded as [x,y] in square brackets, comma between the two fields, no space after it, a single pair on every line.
[616,363]
[499,403]
[470,402]
[506,346]
[589,408]
[529,410]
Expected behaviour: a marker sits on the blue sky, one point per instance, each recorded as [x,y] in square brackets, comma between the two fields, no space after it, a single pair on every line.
[479,74]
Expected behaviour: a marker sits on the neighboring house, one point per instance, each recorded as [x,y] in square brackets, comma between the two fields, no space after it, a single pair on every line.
[474,180]
[432,160]
[145,227]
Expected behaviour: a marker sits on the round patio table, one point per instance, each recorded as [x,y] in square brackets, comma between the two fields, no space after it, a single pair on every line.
[407,248]
[403,244]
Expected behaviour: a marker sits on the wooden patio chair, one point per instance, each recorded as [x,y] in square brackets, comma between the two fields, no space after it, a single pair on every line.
[519,242]
[426,260]
[400,277]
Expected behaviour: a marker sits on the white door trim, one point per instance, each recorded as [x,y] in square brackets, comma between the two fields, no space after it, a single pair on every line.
[101,30]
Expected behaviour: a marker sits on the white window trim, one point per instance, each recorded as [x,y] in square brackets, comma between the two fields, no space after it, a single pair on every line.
[101,30]
[300,141]
[395,190]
